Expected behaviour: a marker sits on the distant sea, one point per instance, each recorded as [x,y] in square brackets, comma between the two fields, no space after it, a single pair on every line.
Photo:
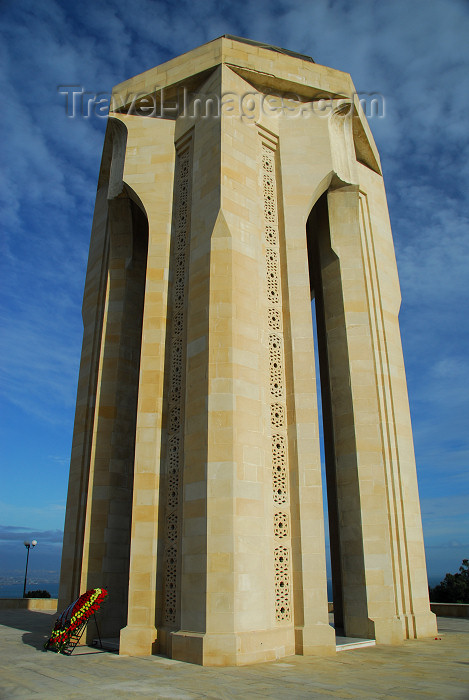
[432,582]
[15,590]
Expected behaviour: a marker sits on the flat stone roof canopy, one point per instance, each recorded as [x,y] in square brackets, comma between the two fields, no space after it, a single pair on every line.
[275,67]
[251,42]
[261,65]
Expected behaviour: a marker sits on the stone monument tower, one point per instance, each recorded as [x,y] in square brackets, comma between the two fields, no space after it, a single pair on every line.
[238,182]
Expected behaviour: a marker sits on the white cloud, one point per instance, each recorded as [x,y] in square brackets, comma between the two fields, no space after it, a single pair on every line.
[47,521]
[9,533]
[413,53]
[450,367]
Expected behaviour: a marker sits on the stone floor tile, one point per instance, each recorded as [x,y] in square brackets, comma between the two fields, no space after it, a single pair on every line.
[417,670]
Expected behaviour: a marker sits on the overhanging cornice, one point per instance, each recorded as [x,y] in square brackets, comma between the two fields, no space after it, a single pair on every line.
[265,66]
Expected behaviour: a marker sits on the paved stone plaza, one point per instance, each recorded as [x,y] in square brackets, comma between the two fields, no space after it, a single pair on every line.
[421,669]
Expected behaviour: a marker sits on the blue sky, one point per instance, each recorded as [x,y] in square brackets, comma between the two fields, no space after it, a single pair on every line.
[413,53]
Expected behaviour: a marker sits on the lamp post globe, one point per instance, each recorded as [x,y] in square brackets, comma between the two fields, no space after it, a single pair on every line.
[28,546]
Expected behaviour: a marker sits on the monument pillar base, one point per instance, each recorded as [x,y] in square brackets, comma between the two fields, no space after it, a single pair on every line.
[315,640]
[138,641]
[236,649]
[420,625]
[387,630]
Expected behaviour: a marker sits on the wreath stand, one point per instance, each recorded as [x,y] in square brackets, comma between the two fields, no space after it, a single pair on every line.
[77,634]
[70,625]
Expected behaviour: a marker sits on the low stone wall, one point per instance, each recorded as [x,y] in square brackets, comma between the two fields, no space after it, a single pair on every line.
[450,609]
[440,609]
[28,603]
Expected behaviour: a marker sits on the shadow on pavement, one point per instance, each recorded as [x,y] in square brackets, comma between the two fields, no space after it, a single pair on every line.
[28,620]
[34,623]
[35,639]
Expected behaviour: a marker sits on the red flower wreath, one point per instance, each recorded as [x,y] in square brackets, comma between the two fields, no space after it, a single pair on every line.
[74,616]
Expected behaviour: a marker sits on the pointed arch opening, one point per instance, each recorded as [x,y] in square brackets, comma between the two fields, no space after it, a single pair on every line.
[323,265]
[107,559]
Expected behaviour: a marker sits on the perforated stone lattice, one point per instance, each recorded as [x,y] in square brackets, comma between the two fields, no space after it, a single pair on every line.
[181,239]
[174,417]
[176,372]
[282,584]
[267,162]
[269,185]
[272,289]
[272,260]
[175,393]
[270,205]
[281,526]
[170,590]
[173,451]
[179,289]
[274,320]
[279,470]
[172,527]
[271,235]
[270,212]
[273,277]
[277,415]
[178,323]
[180,263]
[173,490]
[276,365]
[176,380]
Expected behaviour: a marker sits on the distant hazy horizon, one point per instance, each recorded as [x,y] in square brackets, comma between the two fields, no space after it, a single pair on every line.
[15,590]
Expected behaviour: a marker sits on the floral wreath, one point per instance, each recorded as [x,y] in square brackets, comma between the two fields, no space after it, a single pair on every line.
[74,617]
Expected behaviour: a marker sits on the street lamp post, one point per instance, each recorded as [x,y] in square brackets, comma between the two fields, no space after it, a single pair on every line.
[28,545]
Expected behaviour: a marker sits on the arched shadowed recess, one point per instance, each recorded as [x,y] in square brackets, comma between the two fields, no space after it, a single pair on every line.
[112,468]
[337,413]
[318,232]
[102,464]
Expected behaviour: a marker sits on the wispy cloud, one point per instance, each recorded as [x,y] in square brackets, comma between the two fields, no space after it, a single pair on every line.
[50,167]
[44,557]
[32,518]
[15,534]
